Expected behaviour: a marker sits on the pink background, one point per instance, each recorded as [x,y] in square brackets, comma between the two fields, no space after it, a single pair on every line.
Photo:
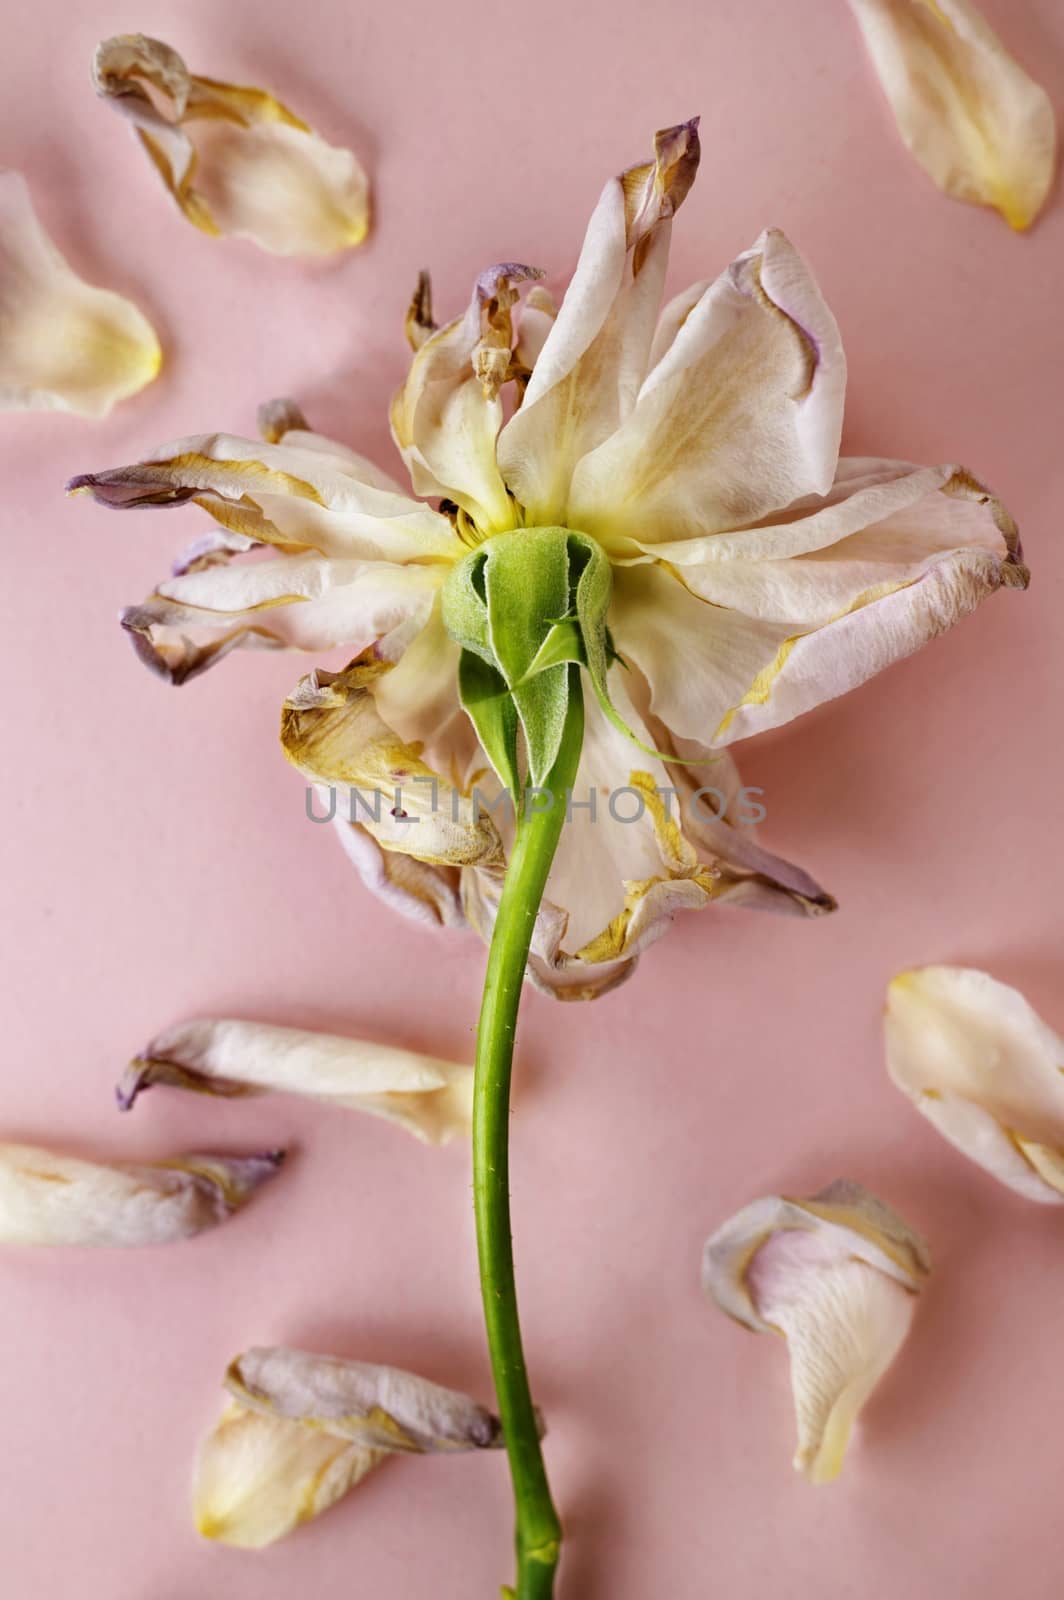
[156,863]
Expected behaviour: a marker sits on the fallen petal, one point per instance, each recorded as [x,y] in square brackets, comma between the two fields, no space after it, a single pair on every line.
[66,345]
[49,1199]
[977,124]
[837,1275]
[302,1430]
[379,1407]
[979,1062]
[236,160]
[258,1477]
[431,1099]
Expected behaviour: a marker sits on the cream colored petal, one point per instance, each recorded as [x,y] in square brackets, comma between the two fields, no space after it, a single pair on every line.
[311,602]
[699,659]
[787,615]
[380,1407]
[741,416]
[587,375]
[419,696]
[844,1324]
[447,414]
[673,316]
[236,160]
[258,1477]
[838,1276]
[304,493]
[49,1199]
[538,316]
[281,421]
[432,1099]
[304,602]
[979,1062]
[884,627]
[64,345]
[970,114]
[332,731]
[866,491]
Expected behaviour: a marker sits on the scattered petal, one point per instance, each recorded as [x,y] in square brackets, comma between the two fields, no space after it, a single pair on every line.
[236,160]
[977,124]
[258,1477]
[66,346]
[978,1061]
[381,1407]
[837,1275]
[49,1199]
[430,1098]
[302,1430]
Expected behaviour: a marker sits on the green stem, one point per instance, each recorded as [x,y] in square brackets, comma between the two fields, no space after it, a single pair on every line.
[538,1530]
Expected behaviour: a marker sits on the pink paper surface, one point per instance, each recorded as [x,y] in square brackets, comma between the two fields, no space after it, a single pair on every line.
[156,863]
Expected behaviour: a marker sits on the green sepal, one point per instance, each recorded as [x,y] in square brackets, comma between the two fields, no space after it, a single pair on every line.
[526,581]
[524,606]
[564,642]
[592,599]
[463,605]
[491,709]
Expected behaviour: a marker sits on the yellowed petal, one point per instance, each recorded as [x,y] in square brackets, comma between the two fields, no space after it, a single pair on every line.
[837,1275]
[970,114]
[332,731]
[235,159]
[981,1065]
[64,345]
[50,1199]
[432,1099]
[305,493]
[258,1476]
